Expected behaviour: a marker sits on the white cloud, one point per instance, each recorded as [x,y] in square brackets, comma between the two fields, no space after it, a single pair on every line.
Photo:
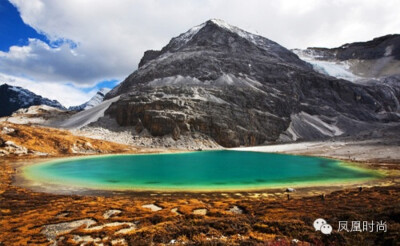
[62,64]
[112,35]
[65,94]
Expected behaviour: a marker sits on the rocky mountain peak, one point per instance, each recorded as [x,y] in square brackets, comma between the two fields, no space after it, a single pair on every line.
[217,35]
[237,88]
[209,52]
[211,28]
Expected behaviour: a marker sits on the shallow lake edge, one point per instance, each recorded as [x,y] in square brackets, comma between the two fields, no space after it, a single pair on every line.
[21,179]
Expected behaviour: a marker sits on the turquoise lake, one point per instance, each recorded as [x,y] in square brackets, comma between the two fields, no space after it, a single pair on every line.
[203,170]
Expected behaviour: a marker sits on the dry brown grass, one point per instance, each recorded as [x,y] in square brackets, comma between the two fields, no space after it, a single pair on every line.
[272,221]
[55,141]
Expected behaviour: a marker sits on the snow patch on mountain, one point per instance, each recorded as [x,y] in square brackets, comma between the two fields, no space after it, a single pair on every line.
[13,98]
[254,38]
[389,50]
[260,41]
[94,101]
[187,36]
[337,69]
[24,97]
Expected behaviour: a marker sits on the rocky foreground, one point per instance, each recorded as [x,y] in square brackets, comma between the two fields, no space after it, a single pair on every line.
[272,217]
[243,218]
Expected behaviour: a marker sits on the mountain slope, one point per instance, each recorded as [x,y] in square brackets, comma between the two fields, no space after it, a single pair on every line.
[94,101]
[241,89]
[86,117]
[13,98]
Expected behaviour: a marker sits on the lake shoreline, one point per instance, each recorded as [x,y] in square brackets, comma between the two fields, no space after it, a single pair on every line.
[267,216]
[305,188]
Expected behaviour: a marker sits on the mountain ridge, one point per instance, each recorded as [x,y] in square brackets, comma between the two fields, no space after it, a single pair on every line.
[371,49]
[358,61]
[13,98]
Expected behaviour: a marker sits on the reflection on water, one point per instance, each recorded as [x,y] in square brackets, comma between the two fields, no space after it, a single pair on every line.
[112,181]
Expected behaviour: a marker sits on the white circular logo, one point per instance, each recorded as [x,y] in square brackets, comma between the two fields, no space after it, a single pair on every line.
[326,229]
[318,223]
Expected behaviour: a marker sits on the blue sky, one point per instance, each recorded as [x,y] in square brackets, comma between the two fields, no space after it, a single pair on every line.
[67,49]
[14,32]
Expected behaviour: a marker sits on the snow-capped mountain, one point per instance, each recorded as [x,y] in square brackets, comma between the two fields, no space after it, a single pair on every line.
[240,88]
[13,98]
[94,101]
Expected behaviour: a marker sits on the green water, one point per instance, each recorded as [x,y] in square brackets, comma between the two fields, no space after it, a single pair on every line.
[206,170]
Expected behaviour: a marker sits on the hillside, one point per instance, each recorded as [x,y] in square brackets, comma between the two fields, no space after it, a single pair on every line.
[27,140]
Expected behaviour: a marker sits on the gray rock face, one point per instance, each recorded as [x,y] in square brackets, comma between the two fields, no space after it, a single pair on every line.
[148,56]
[388,45]
[241,89]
